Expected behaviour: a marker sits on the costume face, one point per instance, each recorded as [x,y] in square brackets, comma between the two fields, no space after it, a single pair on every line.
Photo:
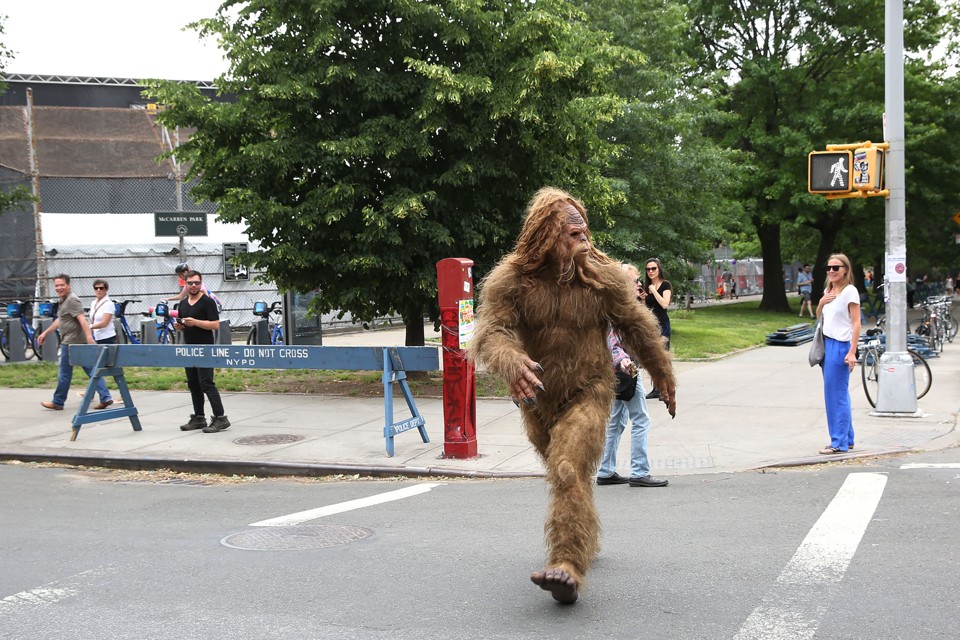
[577,241]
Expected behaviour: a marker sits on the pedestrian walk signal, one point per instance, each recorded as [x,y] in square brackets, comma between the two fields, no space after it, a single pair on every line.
[830,172]
[868,168]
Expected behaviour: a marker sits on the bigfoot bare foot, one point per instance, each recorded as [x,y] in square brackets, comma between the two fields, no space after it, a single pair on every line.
[558,582]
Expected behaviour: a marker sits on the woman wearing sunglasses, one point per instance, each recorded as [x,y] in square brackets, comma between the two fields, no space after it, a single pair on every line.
[101,314]
[839,311]
[656,293]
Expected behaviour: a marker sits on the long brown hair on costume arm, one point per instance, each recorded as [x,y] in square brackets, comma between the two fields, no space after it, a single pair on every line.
[639,332]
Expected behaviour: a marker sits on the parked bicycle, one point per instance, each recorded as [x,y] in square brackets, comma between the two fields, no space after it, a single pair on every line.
[166,331]
[127,335]
[937,324]
[871,347]
[276,329]
[21,310]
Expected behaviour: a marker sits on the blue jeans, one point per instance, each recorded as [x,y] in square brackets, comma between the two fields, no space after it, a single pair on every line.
[65,376]
[636,411]
[836,393]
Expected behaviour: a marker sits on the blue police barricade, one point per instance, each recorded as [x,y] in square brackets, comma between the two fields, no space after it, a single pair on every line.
[109,360]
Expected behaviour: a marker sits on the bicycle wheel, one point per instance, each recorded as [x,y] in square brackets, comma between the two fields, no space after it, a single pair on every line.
[921,373]
[953,327]
[35,347]
[3,343]
[870,372]
[252,336]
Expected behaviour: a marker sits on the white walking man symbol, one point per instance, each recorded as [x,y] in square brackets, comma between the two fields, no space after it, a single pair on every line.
[837,169]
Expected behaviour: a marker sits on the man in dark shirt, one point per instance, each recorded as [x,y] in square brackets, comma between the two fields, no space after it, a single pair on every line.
[197,320]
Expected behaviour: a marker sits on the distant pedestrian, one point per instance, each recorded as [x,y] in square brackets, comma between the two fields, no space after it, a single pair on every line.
[74,329]
[840,310]
[101,314]
[198,318]
[805,288]
[656,293]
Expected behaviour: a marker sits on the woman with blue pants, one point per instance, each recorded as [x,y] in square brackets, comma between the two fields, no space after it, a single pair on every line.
[839,311]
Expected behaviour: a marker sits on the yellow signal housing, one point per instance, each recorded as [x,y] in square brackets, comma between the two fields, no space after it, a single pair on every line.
[868,168]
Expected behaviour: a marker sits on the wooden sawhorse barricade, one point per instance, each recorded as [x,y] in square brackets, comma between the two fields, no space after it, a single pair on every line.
[109,360]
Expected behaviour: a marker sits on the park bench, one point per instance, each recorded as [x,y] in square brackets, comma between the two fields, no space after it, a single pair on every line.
[109,360]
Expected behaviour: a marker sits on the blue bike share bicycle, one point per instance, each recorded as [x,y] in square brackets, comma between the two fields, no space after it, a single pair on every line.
[276,329]
[21,310]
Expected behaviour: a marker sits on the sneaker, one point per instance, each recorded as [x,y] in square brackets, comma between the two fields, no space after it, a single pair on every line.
[196,422]
[217,423]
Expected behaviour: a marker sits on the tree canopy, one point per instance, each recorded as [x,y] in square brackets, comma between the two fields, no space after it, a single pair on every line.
[802,74]
[370,139]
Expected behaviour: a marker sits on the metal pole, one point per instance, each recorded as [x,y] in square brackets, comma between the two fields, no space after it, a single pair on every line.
[897,386]
[39,254]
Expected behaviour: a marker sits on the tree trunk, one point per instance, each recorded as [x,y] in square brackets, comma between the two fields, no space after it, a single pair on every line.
[829,227]
[774,291]
[413,321]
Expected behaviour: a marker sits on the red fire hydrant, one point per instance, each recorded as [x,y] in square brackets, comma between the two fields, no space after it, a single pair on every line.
[455,294]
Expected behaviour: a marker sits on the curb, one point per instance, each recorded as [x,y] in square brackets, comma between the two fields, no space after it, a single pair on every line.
[824,459]
[259,469]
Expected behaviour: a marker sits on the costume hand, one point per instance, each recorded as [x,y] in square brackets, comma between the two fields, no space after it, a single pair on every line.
[525,388]
[668,396]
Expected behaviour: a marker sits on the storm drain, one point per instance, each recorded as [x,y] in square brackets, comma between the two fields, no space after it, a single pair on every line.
[276,438]
[295,538]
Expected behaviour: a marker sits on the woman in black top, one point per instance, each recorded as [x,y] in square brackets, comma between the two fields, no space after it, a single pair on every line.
[656,294]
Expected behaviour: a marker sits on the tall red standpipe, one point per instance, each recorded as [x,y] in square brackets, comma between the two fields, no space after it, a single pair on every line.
[455,294]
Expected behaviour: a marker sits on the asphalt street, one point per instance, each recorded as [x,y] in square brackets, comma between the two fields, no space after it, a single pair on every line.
[785,553]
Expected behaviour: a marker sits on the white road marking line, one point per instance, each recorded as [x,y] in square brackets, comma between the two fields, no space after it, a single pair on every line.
[793,608]
[932,465]
[320,512]
[49,593]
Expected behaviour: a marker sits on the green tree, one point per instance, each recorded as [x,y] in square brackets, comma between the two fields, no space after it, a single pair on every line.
[370,139]
[792,68]
[20,195]
[675,180]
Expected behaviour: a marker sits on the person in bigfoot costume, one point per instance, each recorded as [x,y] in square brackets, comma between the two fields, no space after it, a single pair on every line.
[542,322]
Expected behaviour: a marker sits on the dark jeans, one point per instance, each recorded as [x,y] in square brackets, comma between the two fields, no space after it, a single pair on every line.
[201,382]
[110,340]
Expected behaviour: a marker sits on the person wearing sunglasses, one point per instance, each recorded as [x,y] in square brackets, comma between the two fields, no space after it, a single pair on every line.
[74,329]
[839,311]
[656,293]
[197,319]
[101,314]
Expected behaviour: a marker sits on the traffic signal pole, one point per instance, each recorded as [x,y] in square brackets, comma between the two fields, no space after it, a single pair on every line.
[897,387]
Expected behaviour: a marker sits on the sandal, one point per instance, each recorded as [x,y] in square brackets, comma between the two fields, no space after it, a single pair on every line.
[830,450]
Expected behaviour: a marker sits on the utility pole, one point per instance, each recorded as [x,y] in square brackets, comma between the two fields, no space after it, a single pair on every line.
[897,392]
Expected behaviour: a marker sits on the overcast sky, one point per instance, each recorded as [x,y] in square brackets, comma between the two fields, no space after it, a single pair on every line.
[110,38]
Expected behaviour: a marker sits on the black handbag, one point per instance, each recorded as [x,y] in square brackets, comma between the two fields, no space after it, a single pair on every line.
[626,386]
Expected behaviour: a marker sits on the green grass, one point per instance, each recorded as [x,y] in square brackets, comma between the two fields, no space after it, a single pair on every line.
[709,332]
[717,331]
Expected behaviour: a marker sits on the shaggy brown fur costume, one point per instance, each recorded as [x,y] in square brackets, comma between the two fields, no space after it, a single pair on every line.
[546,308]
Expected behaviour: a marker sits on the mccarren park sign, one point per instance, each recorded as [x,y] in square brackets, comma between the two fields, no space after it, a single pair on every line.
[180,223]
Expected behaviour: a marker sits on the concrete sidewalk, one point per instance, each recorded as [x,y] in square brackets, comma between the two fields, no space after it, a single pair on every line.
[760,408]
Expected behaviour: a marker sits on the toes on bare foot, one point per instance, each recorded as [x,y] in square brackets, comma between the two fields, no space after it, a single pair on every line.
[559,583]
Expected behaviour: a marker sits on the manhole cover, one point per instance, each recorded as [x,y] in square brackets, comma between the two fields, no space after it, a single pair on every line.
[276,438]
[295,538]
